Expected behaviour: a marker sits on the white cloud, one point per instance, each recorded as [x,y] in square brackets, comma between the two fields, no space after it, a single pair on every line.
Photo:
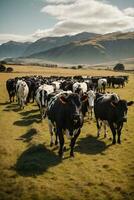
[91,15]
[76,16]
[129,11]
[60,1]
[19,38]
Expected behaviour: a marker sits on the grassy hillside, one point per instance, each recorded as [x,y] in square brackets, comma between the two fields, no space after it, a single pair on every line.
[101,49]
[30,169]
[47,43]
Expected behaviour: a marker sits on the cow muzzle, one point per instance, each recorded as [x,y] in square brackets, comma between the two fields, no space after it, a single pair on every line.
[76,118]
[124,119]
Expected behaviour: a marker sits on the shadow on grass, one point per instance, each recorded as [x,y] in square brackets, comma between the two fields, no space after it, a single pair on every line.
[36,160]
[28,120]
[25,113]
[12,107]
[91,145]
[27,137]
[4,103]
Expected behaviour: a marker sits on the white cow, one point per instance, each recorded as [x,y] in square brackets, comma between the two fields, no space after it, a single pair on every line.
[22,91]
[102,82]
[41,98]
[91,96]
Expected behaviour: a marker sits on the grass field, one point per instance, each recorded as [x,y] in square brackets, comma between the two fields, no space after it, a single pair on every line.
[31,170]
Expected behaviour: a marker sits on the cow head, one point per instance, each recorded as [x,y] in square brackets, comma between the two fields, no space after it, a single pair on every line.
[121,110]
[72,105]
[91,97]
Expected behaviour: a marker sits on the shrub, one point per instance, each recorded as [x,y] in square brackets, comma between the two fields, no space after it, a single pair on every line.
[9,69]
[80,67]
[119,67]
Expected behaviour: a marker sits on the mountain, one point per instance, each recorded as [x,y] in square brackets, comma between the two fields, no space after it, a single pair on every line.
[13,49]
[100,49]
[82,48]
[47,43]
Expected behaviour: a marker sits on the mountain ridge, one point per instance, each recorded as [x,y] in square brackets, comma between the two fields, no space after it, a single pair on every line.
[82,48]
[102,48]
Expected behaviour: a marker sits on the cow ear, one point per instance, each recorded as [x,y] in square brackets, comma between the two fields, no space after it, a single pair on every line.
[63,100]
[84,98]
[130,103]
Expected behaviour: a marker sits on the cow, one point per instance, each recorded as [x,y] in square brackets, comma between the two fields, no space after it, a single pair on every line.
[102,82]
[120,81]
[111,110]
[11,88]
[65,116]
[41,98]
[91,97]
[22,91]
[80,87]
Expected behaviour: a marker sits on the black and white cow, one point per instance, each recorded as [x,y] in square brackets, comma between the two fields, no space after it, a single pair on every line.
[41,98]
[65,116]
[112,111]
[80,87]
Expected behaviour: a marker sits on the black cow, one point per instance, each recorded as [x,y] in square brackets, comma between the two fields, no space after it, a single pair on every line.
[112,110]
[120,81]
[11,88]
[65,116]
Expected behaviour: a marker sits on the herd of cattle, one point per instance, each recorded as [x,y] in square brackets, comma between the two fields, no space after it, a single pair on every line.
[66,100]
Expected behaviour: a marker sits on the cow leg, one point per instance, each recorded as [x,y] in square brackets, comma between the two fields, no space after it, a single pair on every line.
[10,98]
[13,98]
[56,135]
[61,140]
[98,127]
[119,128]
[72,144]
[113,132]
[90,112]
[23,102]
[50,126]
[33,96]
[41,112]
[105,130]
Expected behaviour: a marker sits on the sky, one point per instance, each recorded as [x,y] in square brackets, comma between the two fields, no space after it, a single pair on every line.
[29,20]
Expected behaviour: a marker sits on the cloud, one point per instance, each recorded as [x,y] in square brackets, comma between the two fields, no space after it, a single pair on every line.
[60,1]
[129,11]
[76,16]
[18,38]
[92,15]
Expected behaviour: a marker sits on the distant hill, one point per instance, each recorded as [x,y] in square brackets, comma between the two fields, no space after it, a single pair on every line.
[13,49]
[82,48]
[102,48]
[47,43]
